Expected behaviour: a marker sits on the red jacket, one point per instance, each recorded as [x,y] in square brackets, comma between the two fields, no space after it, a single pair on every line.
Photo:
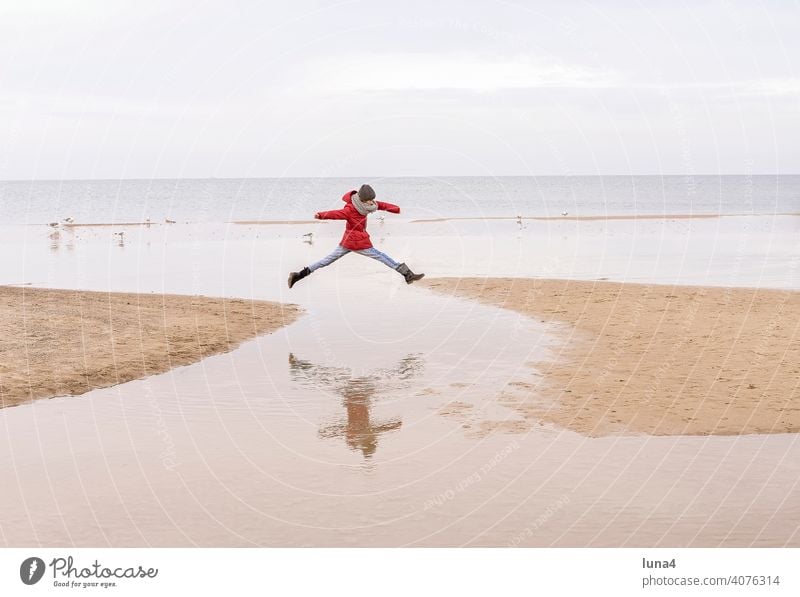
[355,236]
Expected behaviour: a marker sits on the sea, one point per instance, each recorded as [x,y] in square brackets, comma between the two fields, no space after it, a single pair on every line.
[225,200]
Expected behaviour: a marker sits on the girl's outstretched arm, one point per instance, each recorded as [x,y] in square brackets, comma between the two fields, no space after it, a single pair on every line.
[390,207]
[336,214]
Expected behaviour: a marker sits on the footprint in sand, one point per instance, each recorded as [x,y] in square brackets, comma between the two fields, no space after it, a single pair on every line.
[427,392]
[469,418]
[487,428]
[457,410]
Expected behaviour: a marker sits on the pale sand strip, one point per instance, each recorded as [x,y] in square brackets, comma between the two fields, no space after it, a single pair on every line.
[274,222]
[661,360]
[112,224]
[148,224]
[609,217]
[64,342]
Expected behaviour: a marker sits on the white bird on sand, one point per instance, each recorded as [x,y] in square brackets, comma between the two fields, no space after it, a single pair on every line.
[563,213]
[53,224]
[68,220]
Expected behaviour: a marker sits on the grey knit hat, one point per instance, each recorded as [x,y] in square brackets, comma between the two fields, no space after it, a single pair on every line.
[366,192]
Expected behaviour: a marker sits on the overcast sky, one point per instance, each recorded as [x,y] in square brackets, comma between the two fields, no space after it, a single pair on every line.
[104,89]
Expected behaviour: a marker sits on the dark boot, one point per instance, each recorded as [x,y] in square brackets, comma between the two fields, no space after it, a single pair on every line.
[295,277]
[408,274]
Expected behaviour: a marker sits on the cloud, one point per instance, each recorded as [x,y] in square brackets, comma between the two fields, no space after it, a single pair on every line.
[398,72]
[770,88]
[777,88]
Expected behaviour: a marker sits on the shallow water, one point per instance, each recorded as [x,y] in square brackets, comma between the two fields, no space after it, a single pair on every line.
[378,417]
[250,260]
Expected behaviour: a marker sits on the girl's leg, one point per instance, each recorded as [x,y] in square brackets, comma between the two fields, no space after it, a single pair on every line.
[338,253]
[382,257]
[401,268]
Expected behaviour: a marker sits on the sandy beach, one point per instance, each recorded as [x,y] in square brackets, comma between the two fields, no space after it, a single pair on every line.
[658,359]
[66,342]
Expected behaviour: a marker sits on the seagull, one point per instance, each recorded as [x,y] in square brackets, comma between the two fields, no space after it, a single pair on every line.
[68,220]
[310,236]
[563,213]
[53,224]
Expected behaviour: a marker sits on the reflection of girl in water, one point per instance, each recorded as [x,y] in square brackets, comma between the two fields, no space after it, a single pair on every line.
[359,432]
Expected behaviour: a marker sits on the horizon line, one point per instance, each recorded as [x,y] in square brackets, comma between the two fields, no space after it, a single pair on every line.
[140,178]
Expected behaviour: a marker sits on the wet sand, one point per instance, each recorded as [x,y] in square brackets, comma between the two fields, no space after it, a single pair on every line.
[657,359]
[66,342]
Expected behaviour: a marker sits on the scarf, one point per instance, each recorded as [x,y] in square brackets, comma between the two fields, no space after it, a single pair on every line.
[361,207]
